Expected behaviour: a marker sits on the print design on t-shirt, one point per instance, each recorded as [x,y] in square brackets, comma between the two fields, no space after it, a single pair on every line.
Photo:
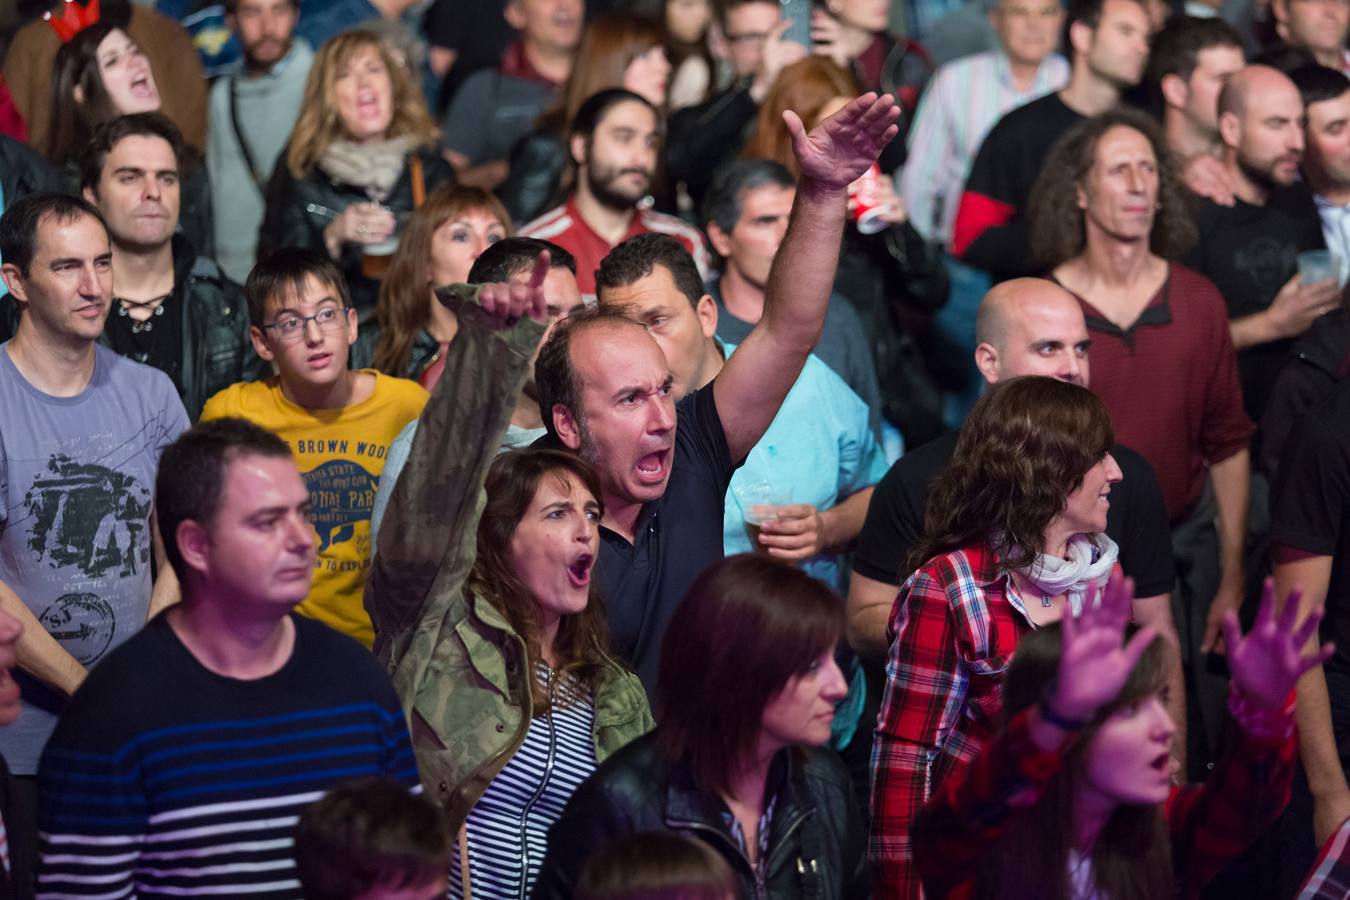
[341,494]
[90,517]
[1265,260]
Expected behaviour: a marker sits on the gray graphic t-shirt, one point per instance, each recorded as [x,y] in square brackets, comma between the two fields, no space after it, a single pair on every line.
[77,477]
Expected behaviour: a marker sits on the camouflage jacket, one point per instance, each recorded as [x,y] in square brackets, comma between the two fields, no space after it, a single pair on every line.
[459,668]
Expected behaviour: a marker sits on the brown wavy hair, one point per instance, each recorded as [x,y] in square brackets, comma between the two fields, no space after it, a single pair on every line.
[608,45]
[1025,447]
[748,625]
[403,308]
[804,87]
[1132,859]
[582,642]
[1058,233]
[318,125]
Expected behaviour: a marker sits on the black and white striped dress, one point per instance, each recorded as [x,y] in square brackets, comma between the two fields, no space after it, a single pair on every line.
[508,827]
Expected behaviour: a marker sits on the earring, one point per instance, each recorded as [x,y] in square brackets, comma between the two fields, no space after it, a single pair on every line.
[1157,207]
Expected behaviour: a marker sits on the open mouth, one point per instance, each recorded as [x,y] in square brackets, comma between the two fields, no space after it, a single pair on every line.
[368,104]
[579,570]
[1162,764]
[141,87]
[652,467]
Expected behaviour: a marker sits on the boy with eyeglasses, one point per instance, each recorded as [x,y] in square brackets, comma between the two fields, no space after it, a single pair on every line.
[338,422]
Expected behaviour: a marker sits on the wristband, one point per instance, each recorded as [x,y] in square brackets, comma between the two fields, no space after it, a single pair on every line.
[1049,714]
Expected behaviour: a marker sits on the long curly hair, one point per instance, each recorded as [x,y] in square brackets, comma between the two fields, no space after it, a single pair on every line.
[403,308]
[582,642]
[1132,858]
[1025,447]
[1058,232]
[318,125]
[804,87]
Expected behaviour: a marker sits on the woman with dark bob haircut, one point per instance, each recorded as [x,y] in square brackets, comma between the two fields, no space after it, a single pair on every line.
[1074,797]
[1013,537]
[745,695]
[485,611]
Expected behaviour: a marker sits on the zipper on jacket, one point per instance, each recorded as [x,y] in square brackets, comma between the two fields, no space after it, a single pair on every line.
[538,790]
[761,889]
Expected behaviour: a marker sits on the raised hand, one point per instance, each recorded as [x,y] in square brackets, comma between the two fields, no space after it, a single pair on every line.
[840,149]
[1269,660]
[505,302]
[1093,666]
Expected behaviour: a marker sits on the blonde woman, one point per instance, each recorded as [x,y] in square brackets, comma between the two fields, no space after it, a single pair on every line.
[362,156]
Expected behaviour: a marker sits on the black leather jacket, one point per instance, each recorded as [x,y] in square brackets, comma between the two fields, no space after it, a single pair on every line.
[817,844]
[298,210]
[533,186]
[23,172]
[217,350]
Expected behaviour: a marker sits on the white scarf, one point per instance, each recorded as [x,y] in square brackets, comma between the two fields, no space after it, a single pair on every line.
[1091,558]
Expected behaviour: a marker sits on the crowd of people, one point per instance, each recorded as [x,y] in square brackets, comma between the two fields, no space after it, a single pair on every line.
[624,449]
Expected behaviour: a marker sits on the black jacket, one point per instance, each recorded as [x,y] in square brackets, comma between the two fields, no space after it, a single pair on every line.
[217,350]
[817,843]
[421,354]
[1316,364]
[533,186]
[298,210]
[702,138]
[23,172]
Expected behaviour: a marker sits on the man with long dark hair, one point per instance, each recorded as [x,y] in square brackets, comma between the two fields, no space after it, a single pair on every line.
[1108,220]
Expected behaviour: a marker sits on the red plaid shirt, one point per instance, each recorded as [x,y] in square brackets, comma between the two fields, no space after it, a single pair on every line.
[1209,825]
[1330,877]
[952,632]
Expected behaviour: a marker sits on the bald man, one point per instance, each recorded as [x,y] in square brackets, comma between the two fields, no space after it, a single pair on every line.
[1026,326]
[1250,249]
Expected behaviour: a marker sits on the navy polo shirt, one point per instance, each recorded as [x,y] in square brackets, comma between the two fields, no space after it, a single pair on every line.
[676,537]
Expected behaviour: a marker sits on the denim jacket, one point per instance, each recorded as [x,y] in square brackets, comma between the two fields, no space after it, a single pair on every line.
[458,666]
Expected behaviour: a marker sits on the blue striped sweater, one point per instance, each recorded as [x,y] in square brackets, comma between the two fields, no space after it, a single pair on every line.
[165,779]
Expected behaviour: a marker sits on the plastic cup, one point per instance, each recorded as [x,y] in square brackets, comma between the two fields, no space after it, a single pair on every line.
[759,502]
[1317,266]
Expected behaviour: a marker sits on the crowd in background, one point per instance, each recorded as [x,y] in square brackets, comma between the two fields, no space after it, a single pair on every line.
[708,448]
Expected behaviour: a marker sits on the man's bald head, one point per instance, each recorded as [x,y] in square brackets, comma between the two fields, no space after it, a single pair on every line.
[1261,125]
[1031,326]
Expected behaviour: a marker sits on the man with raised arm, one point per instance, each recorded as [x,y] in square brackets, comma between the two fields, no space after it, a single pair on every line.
[605,392]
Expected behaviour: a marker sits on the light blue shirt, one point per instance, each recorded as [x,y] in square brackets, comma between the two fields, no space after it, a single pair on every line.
[1336,232]
[820,448]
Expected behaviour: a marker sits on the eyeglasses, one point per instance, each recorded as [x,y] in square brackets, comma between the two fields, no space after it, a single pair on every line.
[291,327]
[749,37]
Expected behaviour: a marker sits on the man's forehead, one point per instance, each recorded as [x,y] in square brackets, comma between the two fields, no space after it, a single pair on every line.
[1330,110]
[616,352]
[758,200]
[256,481]
[655,288]
[80,237]
[1050,315]
[628,114]
[760,12]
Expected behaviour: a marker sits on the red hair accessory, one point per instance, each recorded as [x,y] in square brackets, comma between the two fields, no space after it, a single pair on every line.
[74,19]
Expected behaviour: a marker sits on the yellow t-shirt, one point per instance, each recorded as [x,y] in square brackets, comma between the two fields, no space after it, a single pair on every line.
[341,454]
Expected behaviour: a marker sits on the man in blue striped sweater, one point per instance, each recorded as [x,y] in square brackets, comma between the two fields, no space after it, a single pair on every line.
[182,763]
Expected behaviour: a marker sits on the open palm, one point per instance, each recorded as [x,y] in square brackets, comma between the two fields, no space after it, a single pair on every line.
[1268,661]
[1093,664]
[841,148]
